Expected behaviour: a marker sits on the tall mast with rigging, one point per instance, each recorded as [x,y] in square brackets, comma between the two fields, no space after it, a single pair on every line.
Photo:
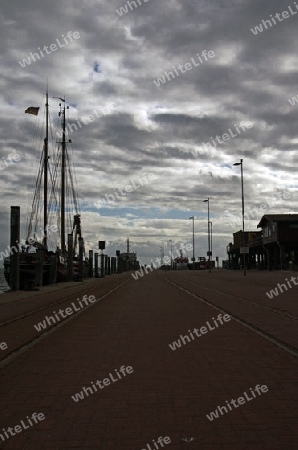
[63,174]
[34,265]
[46,159]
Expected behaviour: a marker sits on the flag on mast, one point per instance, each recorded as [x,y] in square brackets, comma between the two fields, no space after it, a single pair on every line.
[32,110]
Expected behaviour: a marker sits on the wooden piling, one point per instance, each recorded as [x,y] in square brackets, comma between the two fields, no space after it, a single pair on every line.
[96,265]
[106,265]
[90,267]
[70,257]
[102,265]
[81,249]
[14,247]
[39,266]
[53,270]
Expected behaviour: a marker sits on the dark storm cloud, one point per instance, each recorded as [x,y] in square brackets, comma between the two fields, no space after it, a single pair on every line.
[154,130]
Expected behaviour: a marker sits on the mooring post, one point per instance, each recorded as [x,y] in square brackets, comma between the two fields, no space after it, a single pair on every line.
[70,257]
[81,249]
[39,267]
[53,270]
[14,247]
[117,268]
[106,265]
[90,267]
[102,265]
[96,265]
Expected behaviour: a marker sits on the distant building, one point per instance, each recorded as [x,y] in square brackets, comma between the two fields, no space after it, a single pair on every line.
[127,261]
[273,248]
[255,259]
[280,239]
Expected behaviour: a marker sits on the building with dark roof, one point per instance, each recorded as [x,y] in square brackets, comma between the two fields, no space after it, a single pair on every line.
[280,239]
[255,259]
[275,247]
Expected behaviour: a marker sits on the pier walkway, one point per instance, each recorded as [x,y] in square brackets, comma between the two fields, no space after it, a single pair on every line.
[172,360]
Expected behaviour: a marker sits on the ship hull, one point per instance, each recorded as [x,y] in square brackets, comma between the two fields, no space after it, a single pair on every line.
[27,274]
[28,271]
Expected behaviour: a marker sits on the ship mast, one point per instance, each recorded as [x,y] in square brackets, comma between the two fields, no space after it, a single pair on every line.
[46,158]
[63,175]
[63,248]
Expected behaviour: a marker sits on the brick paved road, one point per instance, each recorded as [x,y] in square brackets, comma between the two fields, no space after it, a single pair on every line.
[35,306]
[245,297]
[169,392]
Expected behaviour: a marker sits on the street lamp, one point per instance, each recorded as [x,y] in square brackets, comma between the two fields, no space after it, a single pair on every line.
[170,240]
[193,241]
[209,251]
[211,241]
[242,191]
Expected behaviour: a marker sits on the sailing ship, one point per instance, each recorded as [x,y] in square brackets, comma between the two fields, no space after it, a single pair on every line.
[59,200]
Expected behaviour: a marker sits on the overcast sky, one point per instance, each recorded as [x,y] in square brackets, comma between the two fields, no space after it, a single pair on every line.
[223,74]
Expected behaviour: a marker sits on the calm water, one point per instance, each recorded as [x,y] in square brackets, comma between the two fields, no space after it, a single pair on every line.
[3,285]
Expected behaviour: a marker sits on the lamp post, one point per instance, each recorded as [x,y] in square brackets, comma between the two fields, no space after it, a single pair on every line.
[170,240]
[242,194]
[209,251]
[211,241]
[193,241]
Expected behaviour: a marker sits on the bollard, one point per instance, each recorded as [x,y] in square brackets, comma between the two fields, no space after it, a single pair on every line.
[102,265]
[14,247]
[81,267]
[70,257]
[53,270]
[106,265]
[39,266]
[96,265]
[90,267]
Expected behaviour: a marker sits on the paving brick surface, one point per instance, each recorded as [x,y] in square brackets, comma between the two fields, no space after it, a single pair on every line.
[245,297]
[43,303]
[169,392]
